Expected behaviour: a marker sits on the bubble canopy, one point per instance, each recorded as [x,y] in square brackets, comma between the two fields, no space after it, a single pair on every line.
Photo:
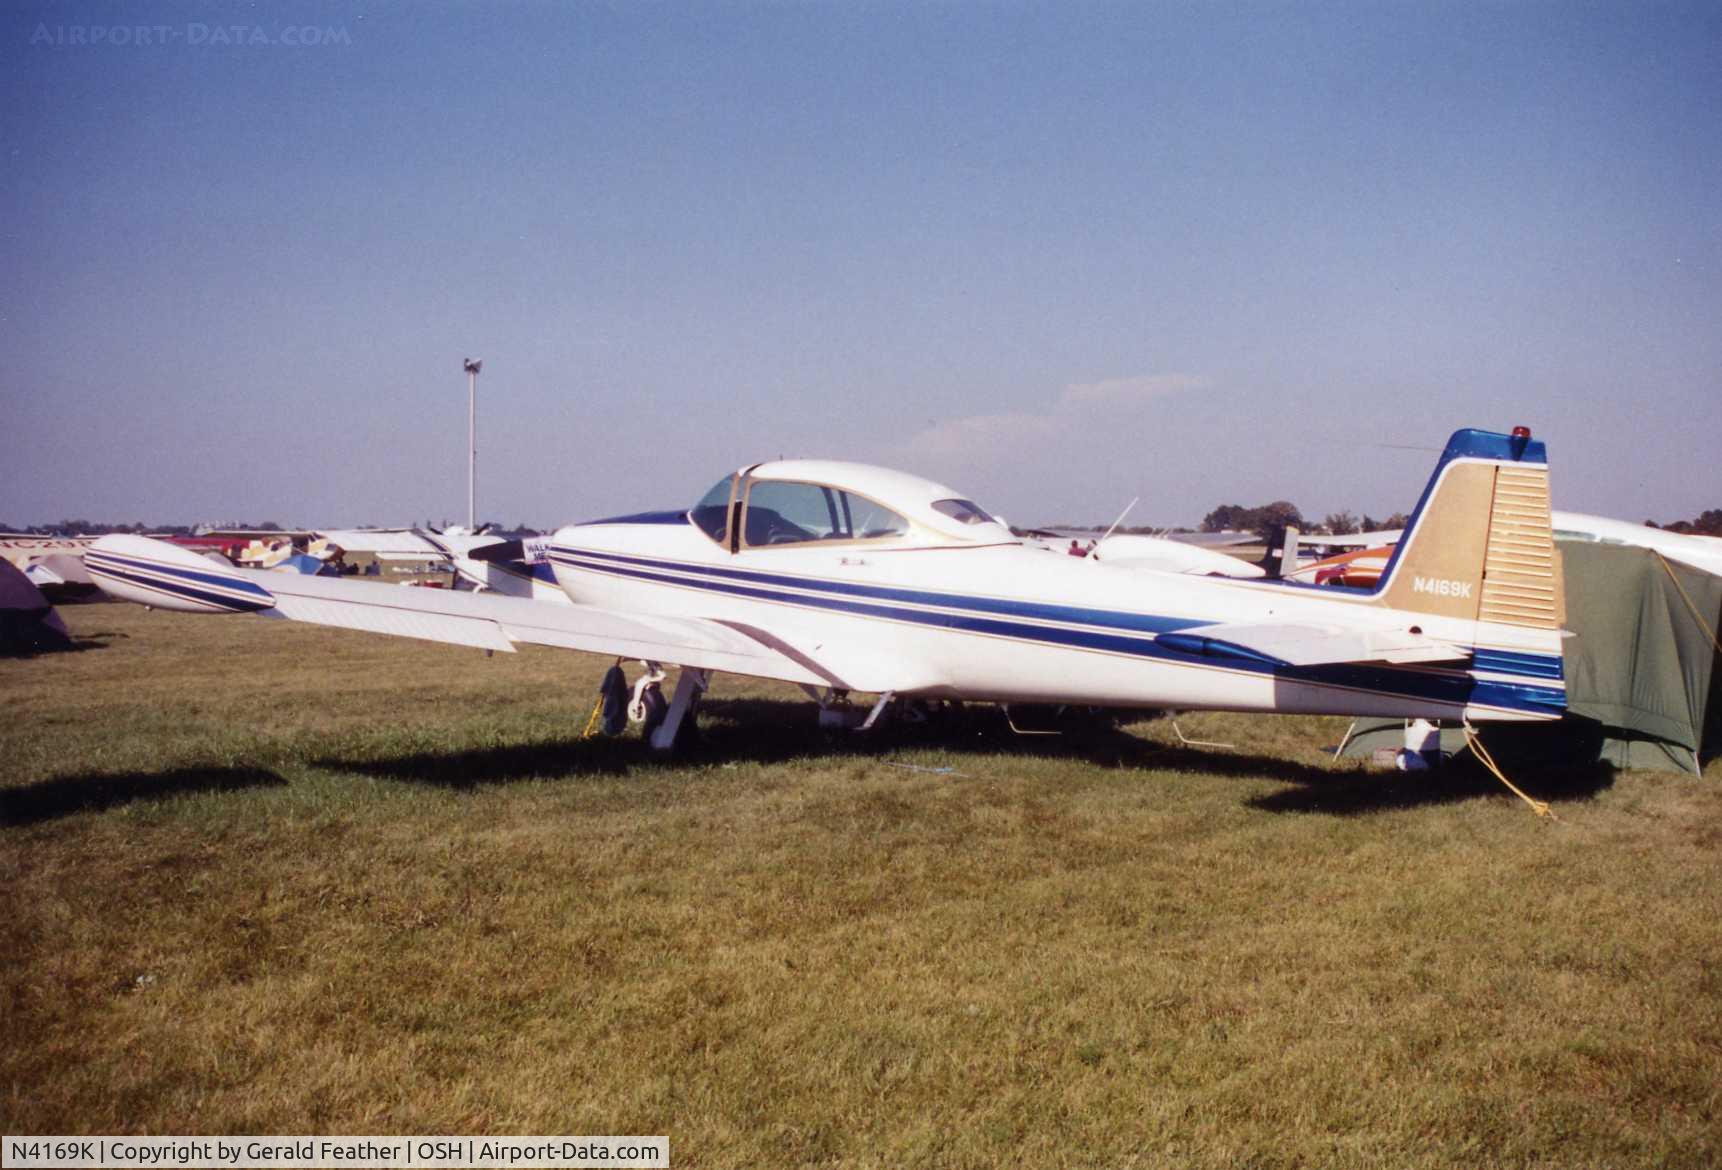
[806,501]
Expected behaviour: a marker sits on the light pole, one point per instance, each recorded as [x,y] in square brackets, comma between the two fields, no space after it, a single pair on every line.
[473,365]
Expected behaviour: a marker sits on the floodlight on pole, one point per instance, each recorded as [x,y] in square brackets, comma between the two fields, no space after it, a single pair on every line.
[472,366]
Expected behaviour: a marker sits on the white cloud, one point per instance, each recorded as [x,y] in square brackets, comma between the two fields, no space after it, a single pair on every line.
[993,434]
[979,439]
[1126,391]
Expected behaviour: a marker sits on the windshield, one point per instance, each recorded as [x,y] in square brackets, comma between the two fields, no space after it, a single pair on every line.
[711,514]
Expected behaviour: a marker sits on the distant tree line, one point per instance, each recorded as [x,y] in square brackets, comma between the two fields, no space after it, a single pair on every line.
[1283,513]
[100,528]
[1708,523]
[1268,518]
[1264,519]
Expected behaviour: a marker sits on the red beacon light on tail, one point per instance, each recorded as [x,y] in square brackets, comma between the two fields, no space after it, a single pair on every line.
[1521,436]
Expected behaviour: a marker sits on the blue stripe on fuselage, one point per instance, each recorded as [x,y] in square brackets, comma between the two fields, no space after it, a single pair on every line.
[1515,662]
[680,517]
[990,616]
[1112,619]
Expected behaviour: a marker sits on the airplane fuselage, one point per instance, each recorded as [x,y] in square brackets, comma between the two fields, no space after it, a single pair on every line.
[1008,623]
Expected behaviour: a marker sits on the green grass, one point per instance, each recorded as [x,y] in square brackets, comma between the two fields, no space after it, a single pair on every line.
[260,878]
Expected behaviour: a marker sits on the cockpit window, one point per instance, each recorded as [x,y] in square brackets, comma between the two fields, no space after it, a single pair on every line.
[868,520]
[711,514]
[781,512]
[963,511]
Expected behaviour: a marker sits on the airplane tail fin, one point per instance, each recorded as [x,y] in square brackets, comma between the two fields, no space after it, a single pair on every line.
[1480,545]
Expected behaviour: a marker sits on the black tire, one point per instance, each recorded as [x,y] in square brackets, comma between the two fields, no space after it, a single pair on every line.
[656,708]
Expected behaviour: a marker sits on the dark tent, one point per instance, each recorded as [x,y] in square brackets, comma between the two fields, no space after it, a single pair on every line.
[1644,679]
[28,624]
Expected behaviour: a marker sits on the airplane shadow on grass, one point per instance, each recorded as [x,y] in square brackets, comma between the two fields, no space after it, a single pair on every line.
[756,731]
[1353,792]
[49,800]
[777,731]
[984,731]
[774,731]
[49,648]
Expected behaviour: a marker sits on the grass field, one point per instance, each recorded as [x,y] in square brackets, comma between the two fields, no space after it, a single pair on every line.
[260,878]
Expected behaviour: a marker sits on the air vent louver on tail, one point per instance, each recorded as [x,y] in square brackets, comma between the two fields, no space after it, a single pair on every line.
[1519,580]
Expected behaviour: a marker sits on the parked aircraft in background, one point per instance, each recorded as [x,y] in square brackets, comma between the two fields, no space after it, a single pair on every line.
[478,559]
[846,578]
[1700,552]
[1140,551]
[1363,568]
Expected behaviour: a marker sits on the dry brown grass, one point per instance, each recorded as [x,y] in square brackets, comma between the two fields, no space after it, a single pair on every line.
[261,878]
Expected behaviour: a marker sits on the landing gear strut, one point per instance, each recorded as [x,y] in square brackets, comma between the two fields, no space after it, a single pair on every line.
[1422,751]
[689,687]
[663,721]
[838,713]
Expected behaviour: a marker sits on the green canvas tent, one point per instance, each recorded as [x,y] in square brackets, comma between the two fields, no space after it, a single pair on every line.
[28,624]
[1644,679]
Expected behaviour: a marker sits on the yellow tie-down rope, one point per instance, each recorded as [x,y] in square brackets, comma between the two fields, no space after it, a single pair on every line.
[593,720]
[1687,598]
[1475,743]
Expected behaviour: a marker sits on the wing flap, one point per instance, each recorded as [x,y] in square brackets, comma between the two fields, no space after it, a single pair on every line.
[495,622]
[399,621]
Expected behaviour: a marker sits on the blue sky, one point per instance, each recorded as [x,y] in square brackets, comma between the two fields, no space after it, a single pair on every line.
[1058,256]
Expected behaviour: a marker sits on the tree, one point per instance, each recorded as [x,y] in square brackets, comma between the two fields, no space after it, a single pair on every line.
[1341,523]
[1262,521]
[1279,514]
[1228,518]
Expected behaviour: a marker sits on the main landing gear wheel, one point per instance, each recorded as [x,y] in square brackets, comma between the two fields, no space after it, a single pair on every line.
[648,706]
[649,709]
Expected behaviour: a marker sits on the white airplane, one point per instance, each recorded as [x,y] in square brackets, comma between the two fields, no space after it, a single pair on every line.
[847,578]
[482,561]
[1698,552]
[1171,556]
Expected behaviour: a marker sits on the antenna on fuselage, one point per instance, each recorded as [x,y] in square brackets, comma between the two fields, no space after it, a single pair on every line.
[1115,524]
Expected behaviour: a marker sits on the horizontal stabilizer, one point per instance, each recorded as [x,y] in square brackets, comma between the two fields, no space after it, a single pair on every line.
[503,550]
[1292,644]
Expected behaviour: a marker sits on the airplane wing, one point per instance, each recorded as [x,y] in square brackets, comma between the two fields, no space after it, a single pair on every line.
[1354,540]
[1295,644]
[152,573]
